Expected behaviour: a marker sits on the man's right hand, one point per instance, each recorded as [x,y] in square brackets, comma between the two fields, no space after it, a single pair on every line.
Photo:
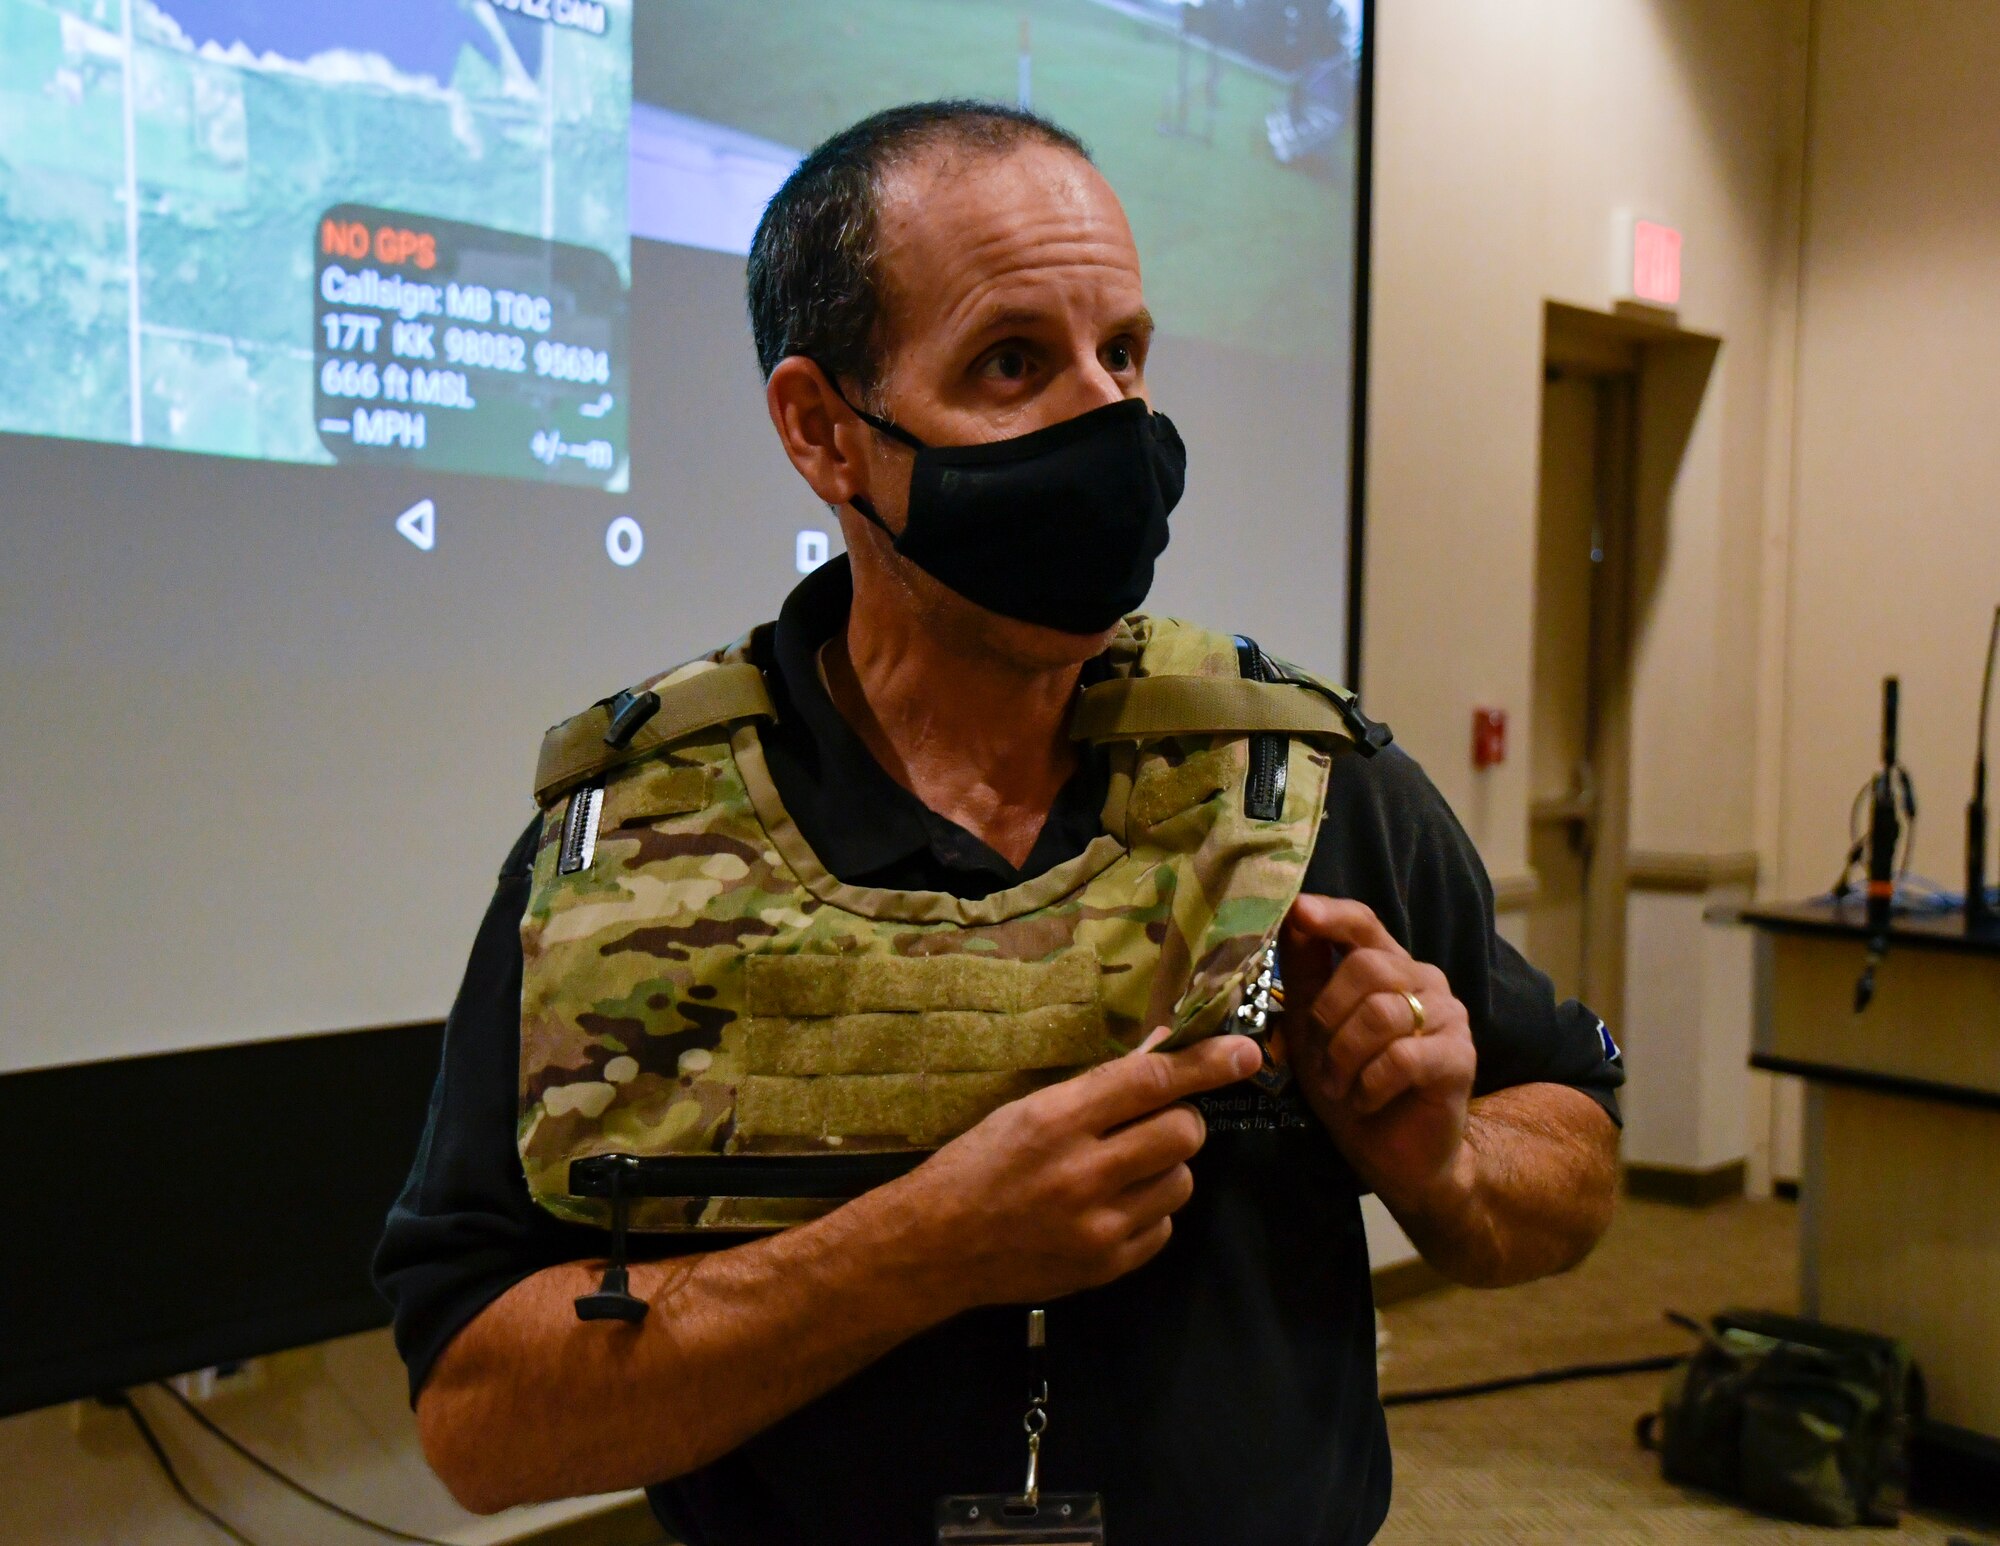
[1073,1185]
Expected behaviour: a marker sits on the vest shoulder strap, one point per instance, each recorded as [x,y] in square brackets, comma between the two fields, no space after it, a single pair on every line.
[1148,707]
[1187,684]
[1189,681]
[630,726]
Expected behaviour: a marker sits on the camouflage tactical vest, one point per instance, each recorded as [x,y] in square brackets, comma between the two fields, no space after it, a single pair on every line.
[719,1034]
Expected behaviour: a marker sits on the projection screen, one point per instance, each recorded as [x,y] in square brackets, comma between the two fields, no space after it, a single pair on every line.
[376,391]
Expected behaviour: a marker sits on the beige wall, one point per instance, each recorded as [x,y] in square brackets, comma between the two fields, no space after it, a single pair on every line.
[1508,136]
[1894,527]
[1688,992]
[1836,514]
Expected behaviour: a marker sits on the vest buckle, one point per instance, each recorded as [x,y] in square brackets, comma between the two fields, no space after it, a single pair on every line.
[614,1299]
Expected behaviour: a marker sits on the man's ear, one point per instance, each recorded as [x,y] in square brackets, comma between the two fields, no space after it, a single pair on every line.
[826,442]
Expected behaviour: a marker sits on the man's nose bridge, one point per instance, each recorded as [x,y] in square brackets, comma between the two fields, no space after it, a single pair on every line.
[1098,388]
[1106,388]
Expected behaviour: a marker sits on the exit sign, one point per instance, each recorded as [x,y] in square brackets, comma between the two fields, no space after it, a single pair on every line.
[1648,261]
[1656,263]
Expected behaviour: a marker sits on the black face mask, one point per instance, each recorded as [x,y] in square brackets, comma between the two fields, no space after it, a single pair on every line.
[1059,526]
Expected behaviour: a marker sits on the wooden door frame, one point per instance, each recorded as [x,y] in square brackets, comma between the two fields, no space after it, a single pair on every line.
[1649,375]
[1609,740]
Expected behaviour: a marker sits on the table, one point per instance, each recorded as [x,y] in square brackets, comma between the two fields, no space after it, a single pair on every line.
[1900,1190]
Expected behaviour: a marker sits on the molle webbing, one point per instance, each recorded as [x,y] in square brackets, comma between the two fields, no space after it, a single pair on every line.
[815,985]
[1150,707]
[939,1041]
[910,1048]
[577,750]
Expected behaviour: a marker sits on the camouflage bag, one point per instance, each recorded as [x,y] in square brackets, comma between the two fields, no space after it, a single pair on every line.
[718,1034]
[1798,1418]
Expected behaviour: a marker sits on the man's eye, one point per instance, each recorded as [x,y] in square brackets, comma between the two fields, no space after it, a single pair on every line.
[1119,356]
[1008,364]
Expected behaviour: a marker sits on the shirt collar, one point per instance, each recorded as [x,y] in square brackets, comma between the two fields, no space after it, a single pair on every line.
[855,817]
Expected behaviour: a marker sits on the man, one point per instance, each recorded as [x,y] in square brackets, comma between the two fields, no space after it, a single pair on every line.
[952,275]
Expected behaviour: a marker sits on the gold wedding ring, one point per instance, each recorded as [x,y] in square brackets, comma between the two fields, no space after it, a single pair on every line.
[1416,1011]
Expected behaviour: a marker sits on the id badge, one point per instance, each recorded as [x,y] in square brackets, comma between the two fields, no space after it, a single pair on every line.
[1009,1519]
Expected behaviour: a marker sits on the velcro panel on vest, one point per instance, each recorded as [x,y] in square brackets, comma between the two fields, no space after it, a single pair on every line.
[907,1049]
[846,985]
[942,1041]
[653,790]
[1164,790]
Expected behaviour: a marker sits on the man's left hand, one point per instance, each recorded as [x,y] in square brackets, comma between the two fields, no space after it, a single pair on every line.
[1391,1085]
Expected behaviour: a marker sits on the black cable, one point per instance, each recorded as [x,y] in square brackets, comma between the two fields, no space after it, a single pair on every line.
[1857,844]
[283,1480]
[124,1399]
[1857,838]
[1909,822]
[1579,1371]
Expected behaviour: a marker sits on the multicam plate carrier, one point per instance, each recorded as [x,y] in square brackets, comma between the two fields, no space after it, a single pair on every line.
[718,1034]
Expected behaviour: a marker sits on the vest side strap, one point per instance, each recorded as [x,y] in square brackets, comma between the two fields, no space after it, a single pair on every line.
[575,752]
[740,1175]
[1143,708]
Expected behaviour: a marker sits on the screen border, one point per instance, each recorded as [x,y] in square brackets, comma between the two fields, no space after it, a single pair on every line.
[1357,456]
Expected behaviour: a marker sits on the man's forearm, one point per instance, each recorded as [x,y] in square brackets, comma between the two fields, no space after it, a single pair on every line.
[529,1403]
[1529,1192]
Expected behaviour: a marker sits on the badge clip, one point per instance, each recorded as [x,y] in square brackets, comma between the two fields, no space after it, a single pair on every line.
[1029,1517]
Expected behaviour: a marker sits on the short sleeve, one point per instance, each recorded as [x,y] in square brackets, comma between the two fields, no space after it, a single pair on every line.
[1389,839]
[464,1230]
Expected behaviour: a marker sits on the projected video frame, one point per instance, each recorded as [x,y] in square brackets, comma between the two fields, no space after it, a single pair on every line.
[164,165]
[447,346]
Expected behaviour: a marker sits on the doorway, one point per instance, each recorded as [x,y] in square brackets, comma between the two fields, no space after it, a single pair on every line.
[1580,736]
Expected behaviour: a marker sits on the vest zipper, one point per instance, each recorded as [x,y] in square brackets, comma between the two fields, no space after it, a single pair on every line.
[1264,790]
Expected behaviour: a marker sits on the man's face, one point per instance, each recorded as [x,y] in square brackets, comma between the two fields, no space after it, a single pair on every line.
[1013,297]
[1012,302]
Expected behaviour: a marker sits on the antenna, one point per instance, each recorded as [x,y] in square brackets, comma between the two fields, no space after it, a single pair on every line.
[1884,831]
[1977,913]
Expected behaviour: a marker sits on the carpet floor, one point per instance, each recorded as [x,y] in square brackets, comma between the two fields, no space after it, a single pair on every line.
[1559,1463]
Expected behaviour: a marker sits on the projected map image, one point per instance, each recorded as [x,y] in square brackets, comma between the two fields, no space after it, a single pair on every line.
[382,230]
[1227,128]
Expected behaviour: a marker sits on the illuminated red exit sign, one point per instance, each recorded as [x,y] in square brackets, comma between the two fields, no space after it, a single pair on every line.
[1656,263]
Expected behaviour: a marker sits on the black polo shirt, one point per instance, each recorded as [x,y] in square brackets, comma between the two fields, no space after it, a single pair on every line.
[1223,1393]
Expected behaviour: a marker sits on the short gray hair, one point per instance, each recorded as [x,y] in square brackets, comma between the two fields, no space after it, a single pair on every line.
[815,281]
